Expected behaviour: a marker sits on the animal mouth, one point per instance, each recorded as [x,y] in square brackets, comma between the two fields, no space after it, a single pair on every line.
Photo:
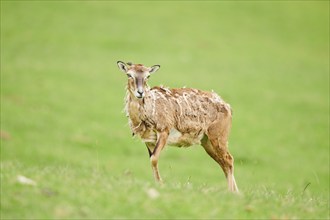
[139,96]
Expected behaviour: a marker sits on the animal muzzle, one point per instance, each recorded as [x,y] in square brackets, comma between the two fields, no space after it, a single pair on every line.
[139,91]
[139,94]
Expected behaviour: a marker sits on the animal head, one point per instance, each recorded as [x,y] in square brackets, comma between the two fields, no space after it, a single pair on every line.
[138,76]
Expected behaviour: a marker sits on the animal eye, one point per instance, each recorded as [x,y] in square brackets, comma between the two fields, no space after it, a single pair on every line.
[148,77]
[129,75]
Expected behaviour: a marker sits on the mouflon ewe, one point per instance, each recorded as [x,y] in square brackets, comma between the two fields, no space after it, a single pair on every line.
[179,117]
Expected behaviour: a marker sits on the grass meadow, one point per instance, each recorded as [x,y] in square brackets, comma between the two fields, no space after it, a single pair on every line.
[63,126]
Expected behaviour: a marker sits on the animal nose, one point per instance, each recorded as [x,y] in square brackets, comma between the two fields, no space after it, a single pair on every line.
[140,92]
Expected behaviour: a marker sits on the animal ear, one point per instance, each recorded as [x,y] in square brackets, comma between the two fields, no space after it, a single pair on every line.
[122,66]
[154,69]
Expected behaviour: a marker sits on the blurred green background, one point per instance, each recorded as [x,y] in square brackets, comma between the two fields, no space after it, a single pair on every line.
[63,126]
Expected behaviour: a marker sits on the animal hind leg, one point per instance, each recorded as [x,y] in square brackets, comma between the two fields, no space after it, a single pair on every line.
[208,148]
[217,147]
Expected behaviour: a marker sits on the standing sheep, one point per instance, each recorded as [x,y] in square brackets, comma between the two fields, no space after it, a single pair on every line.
[178,117]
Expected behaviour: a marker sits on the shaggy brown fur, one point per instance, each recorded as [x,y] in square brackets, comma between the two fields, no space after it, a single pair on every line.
[179,117]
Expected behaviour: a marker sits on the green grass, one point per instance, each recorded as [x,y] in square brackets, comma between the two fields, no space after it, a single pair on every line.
[62,96]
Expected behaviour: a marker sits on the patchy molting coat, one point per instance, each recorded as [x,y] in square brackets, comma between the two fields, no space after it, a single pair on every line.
[185,113]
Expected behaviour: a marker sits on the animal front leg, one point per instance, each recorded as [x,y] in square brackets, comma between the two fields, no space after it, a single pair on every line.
[150,147]
[155,154]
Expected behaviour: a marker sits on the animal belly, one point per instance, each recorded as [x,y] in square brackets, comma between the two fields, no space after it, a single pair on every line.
[176,138]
